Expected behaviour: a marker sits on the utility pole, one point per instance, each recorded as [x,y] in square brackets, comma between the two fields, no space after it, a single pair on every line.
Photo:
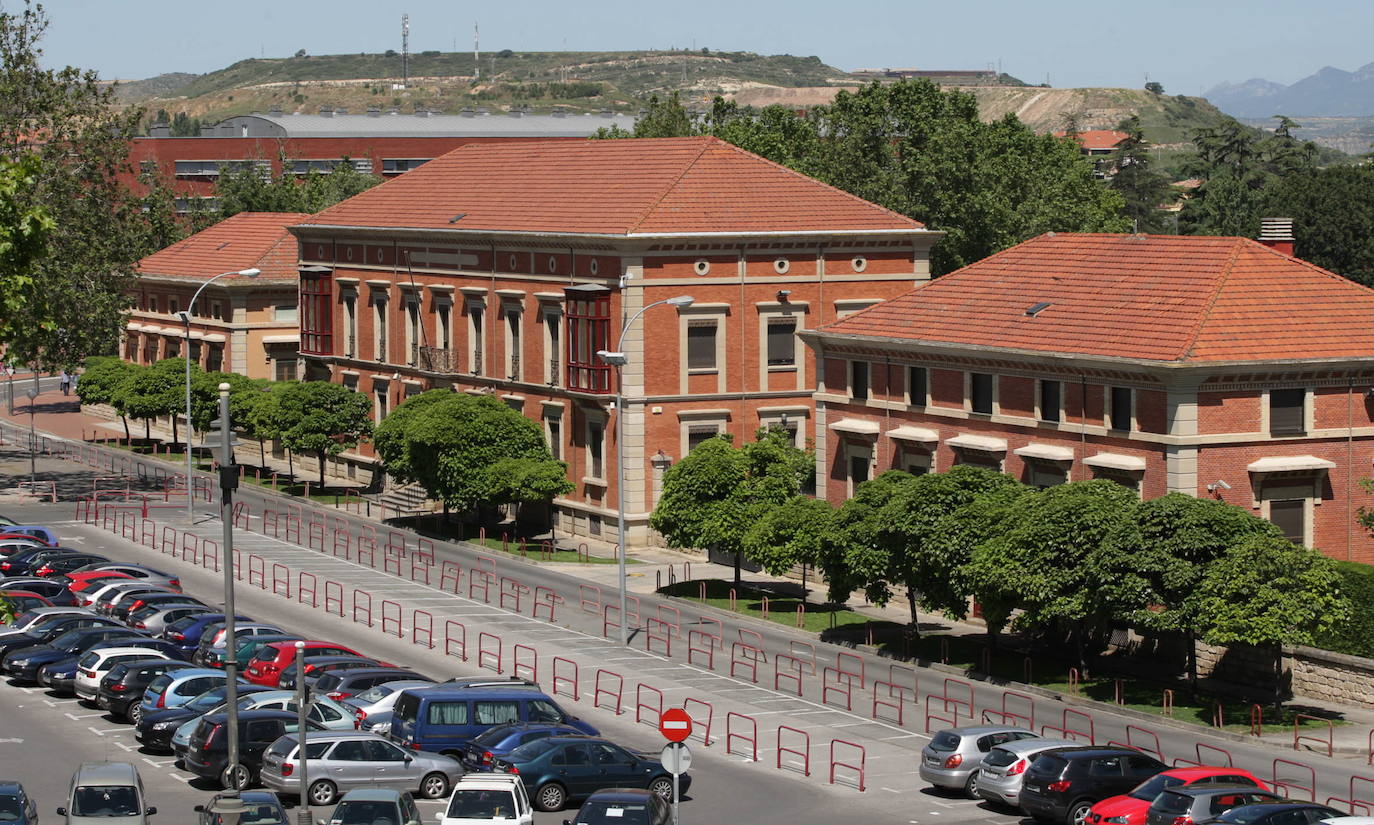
[405,50]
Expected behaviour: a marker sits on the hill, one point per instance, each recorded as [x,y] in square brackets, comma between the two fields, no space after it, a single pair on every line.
[1330,92]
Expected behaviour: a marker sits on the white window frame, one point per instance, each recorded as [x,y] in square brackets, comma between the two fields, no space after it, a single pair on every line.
[797,418]
[908,456]
[719,314]
[349,299]
[381,331]
[552,317]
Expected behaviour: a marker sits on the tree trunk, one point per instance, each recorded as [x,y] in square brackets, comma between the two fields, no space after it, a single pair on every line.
[1278,676]
[915,620]
[176,439]
[1191,636]
[322,458]
[1079,651]
[128,439]
[739,557]
[290,467]
[262,452]
[147,429]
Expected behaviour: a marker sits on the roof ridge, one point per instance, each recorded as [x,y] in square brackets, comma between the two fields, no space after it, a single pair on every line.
[663,195]
[1202,317]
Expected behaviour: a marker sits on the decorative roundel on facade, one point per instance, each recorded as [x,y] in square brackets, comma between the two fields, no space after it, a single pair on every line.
[593,266]
[860,264]
[781,265]
[512,262]
[348,252]
[702,267]
[553,263]
[319,252]
[379,254]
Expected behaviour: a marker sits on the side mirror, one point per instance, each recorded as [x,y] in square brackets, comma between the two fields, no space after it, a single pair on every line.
[200,809]
[567,822]
[409,760]
[150,812]
[63,812]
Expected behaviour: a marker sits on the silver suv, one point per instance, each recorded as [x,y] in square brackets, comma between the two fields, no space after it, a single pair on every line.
[952,758]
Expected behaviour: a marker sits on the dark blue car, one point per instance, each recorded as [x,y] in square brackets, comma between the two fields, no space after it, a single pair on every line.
[185,633]
[16,806]
[557,769]
[483,751]
[23,663]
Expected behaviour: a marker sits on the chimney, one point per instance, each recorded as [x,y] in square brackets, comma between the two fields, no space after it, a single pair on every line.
[326,111]
[1277,233]
[275,111]
[374,111]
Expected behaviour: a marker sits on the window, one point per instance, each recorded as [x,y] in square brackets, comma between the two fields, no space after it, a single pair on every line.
[284,369]
[441,310]
[858,468]
[697,433]
[350,303]
[174,306]
[589,319]
[1120,412]
[782,342]
[1288,412]
[152,303]
[357,750]
[1042,474]
[701,345]
[858,380]
[214,358]
[283,312]
[1051,405]
[379,404]
[317,319]
[551,342]
[447,713]
[395,166]
[980,392]
[475,335]
[542,711]
[496,713]
[1290,516]
[513,345]
[917,386]
[379,342]
[173,348]
[596,448]
[217,310]
[412,331]
[553,426]
[914,461]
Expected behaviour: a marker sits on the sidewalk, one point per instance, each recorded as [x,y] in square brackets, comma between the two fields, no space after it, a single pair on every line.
[62,416]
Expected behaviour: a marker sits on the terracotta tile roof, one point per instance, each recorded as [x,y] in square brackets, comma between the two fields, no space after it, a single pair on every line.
[1151,297]
[615,187]
[1097,138]
[245,240]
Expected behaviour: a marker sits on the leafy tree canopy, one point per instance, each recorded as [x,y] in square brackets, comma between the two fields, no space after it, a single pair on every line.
[1143,189]
[24,230]
[1333,217]
[321,417]
[102,378]
[390,439]
[793,533]
[247,189]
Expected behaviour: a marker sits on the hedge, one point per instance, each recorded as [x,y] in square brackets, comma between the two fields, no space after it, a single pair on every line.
[1356,635]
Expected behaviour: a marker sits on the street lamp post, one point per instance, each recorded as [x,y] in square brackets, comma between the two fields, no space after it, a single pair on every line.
[302,712]
[618,359]
[33,440]
[251,272]
[228,482]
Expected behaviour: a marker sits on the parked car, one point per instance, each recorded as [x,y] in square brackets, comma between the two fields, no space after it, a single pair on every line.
[22,601]
[153,619]
[101,791]
[89,579]
[212,639]
[60,675]
[155,730]
[561,768]
[25,561]
[444,719]
[22,664]
[1130,808]
[623,806]
[272,660]
[343,760]
[1004,768]
[344,683]
[261,808]
[100,598]
[187,632]
[24,621]
[247,649]
[16,806]
[53,590]
[124,609]
[327,715]
[501,797]
[1064,784]
[118,605]
[208,753]
[49,629]
[139,571]
[94,664]
[1204,802]
[952,757]
[38,531]
[63,565]
[11,543]
[368,806]
[315,665]
[172,690]
[1287,812]
[494,743]
[120,690]
[377,701]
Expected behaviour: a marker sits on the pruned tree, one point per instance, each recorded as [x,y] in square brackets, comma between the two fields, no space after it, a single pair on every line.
[322,418]
[102,380]
[389,439]
[961,534]
[144,394]
[797,532]
[24,230]
[859,561]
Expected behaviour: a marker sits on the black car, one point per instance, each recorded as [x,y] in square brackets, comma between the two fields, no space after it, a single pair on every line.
[315,666]
[623,806]
[1063,784]
[559,768]
[54,590]
[25,562]
[123,686]
[155,730]
[207,754]
[1203,802]
[1287,812]
[23,663]
[341,684]
[62,565]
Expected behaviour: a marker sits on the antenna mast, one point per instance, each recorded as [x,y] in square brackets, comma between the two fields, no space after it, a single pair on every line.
[476,53]
[405,50]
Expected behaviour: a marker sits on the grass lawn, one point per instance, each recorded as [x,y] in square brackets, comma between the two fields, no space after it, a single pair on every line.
[781,609]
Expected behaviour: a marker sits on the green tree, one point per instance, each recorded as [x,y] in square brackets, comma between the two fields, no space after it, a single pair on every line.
[1142,189]
[171,376]
[717,491]
[247,189]
[323,418]
[964,533]
[665,117]
[145,393]
[793,533]
[1154,88]
[390,438]
[205,397]
[256,414]
[71,121]
[859,560]
[102,380]
[1237,167]
[1165,553]
[24,230]
[1333,217]
[1267,591]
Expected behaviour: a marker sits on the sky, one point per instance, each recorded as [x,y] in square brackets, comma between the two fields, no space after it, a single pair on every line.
[1187,45]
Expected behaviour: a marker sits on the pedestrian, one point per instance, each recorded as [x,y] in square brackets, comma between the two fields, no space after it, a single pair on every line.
[66,382]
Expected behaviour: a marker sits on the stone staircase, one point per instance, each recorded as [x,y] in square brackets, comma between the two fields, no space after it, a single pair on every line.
[409,498]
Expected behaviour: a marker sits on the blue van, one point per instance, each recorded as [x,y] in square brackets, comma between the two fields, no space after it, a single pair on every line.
[443,718]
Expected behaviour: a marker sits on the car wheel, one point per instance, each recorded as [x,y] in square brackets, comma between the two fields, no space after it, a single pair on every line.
[135,714]
[434,786]
[550,797]
[663,787]
[236,778]
[1078,812]
[971,786]
[322,792]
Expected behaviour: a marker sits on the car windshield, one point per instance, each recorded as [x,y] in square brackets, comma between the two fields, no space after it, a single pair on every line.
[208,699]
[105,801]
[359,812]
[262,815]
[945,741]
[1154,786]
[10,809]
[117,672]
[89,659]
[374,694]
[532,750]
[481,803]
[613,813]
[999,758]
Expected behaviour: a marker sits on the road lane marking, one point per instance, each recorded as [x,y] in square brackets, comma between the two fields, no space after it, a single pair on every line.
[98,732]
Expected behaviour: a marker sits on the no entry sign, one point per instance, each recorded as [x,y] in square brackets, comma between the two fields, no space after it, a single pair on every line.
[675,725]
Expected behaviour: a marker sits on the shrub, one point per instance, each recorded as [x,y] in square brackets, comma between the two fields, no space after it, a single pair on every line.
[1356,635]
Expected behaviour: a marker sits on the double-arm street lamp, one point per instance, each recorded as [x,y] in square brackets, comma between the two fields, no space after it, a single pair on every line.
[619,359]
[251,272]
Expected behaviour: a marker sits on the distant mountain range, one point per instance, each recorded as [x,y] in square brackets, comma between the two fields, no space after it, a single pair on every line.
[1328,93]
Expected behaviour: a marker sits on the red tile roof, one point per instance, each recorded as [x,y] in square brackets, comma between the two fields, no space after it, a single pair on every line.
[614,187]
[1152,297]
[1098,138]
[243,241]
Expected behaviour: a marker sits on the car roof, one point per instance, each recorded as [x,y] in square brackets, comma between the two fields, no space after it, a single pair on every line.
[1035,744]
[979,730]
[1200,771]
[199,671]
[361,672]
[10,787]
[620,795]
[336,735]
[249,715]
[106,773]
[119,651]
[508,780]
[1093,750]
[1210,789]
[372,795]
[442,692]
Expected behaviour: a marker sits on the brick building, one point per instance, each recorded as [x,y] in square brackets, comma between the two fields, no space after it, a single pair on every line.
[503,268]
[1210,366]
[239,324]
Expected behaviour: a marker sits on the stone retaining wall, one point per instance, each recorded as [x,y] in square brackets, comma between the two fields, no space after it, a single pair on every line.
[1307,671]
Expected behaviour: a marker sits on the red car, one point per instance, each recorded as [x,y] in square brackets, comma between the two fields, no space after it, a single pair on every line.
[273,659]
[90,579]
[1131,808]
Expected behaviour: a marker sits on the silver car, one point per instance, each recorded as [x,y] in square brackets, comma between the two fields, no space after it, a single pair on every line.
[164,614]
[147,575]
[323,711]
[1004,768]
[373,706]
[952,758]
[340,761]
